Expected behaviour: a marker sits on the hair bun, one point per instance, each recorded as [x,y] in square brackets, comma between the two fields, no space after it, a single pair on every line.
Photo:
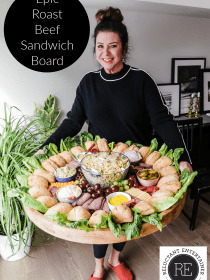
[109,13]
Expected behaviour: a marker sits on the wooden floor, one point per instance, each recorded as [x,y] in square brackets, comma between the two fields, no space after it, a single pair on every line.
[56,259]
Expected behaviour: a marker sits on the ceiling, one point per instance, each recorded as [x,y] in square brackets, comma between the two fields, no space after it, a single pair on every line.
[143,6]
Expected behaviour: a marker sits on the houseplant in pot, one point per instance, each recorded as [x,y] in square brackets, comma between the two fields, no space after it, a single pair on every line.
[18,139]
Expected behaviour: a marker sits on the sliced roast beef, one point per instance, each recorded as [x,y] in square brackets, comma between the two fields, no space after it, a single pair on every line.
[53,191]
[96,204]
[144,165]
[83,198]
[73,164]
[106,207]
[87,203]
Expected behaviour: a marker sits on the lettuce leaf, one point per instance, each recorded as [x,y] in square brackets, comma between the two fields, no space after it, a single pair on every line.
[32,163]
[165,204]
[85,136]
[41,157]
[102,224]
[70,142]
[60,219]
[138,145]
[163,149]
[184,174]
[132,230]
[153,145]
[153,219]
[170,154]
[31,202]
[186,181]
[129,143]
[81,224]
[176,155]
[111,145]
[97,137]
[114,227]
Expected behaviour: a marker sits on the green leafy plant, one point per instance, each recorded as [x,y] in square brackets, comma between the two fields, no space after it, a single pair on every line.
[18,140]
[46,117]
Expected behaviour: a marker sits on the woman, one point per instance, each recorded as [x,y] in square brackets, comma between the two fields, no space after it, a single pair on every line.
[121,103]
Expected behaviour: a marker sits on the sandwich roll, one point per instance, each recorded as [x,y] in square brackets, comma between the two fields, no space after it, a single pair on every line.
[77,150]
[152,158]
[49,201]
[66,156]
[36,181]
[61,207]
[103,145]
[96,217]
[45,174]
[144,151]
[172,186]
[89,144]
[160,195]
[146,208]
[132,147]
[122,214]
[49,165]
[38,191]
[162,162]
[78,213]
[163,180]
[168,170]
[58,160]
[120,147]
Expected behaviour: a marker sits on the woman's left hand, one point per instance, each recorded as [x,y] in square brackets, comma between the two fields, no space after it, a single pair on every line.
[185,164]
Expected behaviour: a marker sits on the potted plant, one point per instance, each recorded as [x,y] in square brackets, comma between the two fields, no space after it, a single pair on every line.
[17,141]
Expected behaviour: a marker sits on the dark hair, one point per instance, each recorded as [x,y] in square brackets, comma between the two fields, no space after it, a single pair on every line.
[111,19]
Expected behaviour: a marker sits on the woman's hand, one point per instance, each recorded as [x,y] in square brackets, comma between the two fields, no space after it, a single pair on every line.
[185,164]
[40,151]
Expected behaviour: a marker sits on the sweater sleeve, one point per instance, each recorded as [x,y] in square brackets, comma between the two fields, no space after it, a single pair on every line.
[73,123]
[161,119]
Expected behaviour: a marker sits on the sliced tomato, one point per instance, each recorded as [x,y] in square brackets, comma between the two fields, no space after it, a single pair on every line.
[142,188]
[151,189]
[94,151]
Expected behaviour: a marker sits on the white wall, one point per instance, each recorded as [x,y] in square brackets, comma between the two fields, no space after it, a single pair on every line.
[154,40]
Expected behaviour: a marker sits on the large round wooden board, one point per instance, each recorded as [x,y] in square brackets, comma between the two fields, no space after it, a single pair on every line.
[101,236]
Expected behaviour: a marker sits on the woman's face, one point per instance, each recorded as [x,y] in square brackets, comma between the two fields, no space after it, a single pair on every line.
[109,51]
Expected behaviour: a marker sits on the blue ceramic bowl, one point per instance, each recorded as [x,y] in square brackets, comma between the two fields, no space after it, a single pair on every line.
[65,180]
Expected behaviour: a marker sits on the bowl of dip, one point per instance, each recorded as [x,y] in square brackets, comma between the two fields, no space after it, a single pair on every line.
[65,174]
[117,198]
[69,193]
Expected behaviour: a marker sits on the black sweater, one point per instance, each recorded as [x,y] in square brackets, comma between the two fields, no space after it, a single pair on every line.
[120,107]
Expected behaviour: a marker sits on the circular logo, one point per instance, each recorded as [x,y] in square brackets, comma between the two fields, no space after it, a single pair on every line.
[183,267]
[46,35]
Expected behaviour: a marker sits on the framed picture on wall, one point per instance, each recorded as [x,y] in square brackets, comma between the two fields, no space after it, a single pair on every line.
[186,71]
[171,95]
[205,90]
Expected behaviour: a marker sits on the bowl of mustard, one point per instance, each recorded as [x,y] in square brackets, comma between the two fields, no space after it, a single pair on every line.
[117,198]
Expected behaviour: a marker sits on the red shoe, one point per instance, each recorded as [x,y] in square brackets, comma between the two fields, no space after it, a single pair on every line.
[95,278]
[122,272]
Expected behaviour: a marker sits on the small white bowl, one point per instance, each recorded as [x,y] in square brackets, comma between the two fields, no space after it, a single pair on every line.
[111,195]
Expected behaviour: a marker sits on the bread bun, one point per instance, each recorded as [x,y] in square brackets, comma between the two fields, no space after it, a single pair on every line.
[66,156]
[38,191]
[146,208]
[170,177]
[78,213]
[61,207]
[168,170]
[37,181]
[172,186]
[77,150]
[58,160]
[122,214]
[162,162]
[49,201]
[160,195]
[49,165]
[103,145]
[120,147]
[45,174]
[96,217]
[144,151]
[152,158]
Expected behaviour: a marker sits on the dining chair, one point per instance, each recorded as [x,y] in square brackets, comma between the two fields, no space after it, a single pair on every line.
[191,129]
